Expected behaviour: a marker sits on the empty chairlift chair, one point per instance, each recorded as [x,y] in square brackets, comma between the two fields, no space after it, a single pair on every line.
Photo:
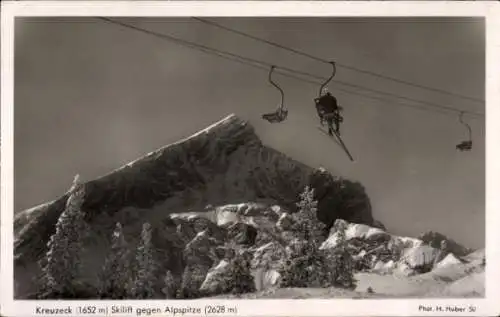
[281,113]
[465,145]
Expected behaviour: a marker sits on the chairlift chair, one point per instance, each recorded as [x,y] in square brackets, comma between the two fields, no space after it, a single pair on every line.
[332,133]
[325,117]
[467,144]
[281,113]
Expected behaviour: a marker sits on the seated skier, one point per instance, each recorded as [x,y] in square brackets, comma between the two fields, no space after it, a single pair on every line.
[329,110]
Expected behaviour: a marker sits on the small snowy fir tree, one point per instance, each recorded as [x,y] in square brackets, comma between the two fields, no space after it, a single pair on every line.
[169,289]
[305,263]
[116,274]
[61,269]
[343,269]
[192,279]
[341,235]
[294,270]
[241,279]
[143,287]
[287,278]
[307,224]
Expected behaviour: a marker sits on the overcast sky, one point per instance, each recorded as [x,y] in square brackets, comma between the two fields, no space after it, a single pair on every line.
[91,96]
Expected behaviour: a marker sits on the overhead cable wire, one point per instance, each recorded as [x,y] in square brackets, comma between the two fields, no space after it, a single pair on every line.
[265,65]
[385,93]
[319,59]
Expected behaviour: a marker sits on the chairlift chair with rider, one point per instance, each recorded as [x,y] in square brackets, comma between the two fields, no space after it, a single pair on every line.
[324,97]
[329,111]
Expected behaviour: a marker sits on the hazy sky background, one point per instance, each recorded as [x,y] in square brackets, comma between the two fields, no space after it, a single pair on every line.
[91,96]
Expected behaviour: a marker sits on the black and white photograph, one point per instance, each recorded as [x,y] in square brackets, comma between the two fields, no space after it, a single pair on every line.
[265,157]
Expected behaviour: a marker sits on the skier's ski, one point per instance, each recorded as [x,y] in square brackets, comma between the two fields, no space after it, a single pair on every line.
[339,141]
[330,136]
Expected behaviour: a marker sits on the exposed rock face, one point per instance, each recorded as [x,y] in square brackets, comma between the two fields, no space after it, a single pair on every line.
[437,240]
[217,279]
[222,164]
[380,225]
[243,234]
[340,199]
[359,231]
[188,226]
[271,214]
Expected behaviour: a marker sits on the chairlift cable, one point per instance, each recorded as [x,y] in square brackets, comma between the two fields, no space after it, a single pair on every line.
[356,69]
[264,65]
[466,125]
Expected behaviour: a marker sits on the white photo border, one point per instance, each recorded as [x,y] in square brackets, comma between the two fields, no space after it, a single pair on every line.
[488,306]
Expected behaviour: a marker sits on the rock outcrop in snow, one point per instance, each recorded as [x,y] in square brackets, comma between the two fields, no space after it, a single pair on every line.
[357,231]
[436,240]
[376,250]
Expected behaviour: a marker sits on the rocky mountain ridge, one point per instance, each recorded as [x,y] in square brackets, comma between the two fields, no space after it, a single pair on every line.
[187,192]
[222,164]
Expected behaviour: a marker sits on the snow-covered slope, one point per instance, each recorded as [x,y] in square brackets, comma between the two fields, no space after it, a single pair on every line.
[449,260]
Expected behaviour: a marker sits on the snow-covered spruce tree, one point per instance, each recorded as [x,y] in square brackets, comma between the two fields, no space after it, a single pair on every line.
[307,225]
[305,264]
[143,286]
[62,267]
[287,278]
[341,235]
[342,271]
[116,273]
[169,289]
[294,269]
[241,279]
[192,279]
